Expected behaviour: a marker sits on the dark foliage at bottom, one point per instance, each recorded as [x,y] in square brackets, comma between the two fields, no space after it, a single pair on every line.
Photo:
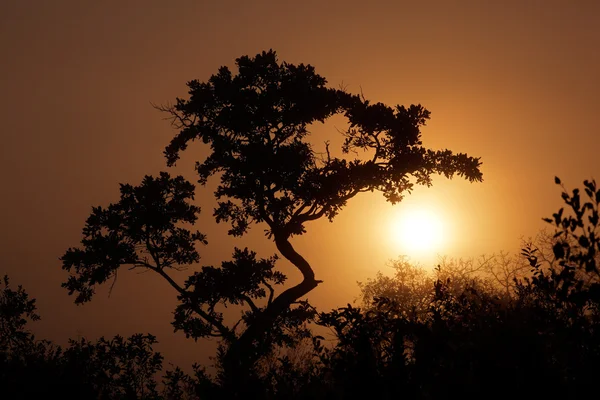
[450,337]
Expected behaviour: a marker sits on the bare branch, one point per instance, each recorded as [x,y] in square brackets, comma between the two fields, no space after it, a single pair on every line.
[113,284]
[271,291]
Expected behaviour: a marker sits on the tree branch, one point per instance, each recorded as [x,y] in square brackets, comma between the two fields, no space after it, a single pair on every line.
[311,217]
[223,330]
[174,284]
[249,301]
[271,291]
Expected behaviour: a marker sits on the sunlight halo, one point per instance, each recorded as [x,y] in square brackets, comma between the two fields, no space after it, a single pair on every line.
[417,231]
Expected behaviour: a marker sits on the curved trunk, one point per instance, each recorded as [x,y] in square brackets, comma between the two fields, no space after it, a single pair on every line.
[241,355]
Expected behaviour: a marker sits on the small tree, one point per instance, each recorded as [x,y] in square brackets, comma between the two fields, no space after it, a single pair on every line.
[16,310]
[257,124]
[572,278]
[118,368]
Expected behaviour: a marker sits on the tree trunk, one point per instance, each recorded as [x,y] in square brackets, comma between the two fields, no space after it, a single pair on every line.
[241,355]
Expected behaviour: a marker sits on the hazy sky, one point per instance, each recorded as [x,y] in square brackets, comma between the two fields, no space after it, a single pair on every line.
[514,82]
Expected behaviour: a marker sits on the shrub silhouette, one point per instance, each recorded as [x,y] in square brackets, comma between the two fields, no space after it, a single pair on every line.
[106,369]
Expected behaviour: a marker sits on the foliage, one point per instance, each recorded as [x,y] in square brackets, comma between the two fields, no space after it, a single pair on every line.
[257,123]
[116,369]
[241,281]
[538,339]
[16,309]
[144,230]
[180,386]
[106,369]
[141,230]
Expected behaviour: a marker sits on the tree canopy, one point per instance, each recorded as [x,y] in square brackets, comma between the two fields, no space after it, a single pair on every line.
[257,123]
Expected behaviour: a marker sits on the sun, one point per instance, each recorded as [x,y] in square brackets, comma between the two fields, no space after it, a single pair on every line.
[418,231]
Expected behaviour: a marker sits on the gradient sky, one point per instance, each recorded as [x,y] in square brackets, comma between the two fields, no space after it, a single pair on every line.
[514,82]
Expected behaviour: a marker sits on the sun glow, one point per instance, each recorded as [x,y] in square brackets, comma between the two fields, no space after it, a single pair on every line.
[418,232]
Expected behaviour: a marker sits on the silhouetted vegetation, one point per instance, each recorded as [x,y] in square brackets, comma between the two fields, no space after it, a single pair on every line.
[257,124]
[457,334]
[455,331]
[106,369]
[500,326]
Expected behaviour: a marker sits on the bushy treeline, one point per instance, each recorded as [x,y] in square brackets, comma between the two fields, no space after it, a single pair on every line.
[497,327]
[117,368]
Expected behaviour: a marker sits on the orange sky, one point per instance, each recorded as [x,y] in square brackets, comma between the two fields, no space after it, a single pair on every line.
[515,82]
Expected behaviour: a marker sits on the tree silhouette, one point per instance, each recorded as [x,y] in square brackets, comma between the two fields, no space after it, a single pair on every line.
[257,123]
[146,229]
[119,368]
[16,310]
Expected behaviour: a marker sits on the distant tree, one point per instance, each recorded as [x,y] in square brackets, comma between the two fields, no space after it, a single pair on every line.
[257,124]
[105,369]
[16,310]
[408,289]
[26,364]
[115,369]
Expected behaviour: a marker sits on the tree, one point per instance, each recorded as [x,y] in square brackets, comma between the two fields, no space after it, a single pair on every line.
[257,124]
[106,369]
[16,310]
